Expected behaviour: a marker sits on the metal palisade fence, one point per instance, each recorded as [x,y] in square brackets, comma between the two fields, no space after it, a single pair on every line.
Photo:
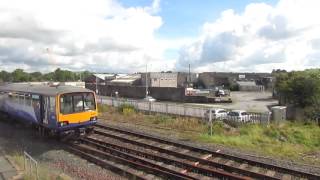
[185,110]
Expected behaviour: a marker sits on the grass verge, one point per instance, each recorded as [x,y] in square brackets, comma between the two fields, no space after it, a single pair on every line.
[289,140]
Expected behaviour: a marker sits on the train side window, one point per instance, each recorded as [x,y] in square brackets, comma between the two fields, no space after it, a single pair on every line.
[66,106]
[15,98]
[28,101]
[10,96]
[35,100]
[21,98]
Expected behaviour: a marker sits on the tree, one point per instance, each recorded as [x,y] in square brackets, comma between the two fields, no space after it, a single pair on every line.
[300,88]
[5,76]
[20,76]
[36,76]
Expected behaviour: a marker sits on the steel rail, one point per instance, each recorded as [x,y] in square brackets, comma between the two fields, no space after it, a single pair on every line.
[190,157]
[74,149]
[224,155]
[133,162]
[190,167]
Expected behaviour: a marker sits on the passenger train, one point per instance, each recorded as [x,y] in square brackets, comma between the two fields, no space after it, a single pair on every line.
[54,110]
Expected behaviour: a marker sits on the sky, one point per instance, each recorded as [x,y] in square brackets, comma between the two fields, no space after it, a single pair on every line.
[129,35]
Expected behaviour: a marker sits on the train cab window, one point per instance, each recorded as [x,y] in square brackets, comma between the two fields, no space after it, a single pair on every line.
[89,103]
[66,104]
[78,103]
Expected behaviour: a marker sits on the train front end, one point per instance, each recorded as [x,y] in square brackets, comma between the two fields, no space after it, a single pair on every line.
[77,112]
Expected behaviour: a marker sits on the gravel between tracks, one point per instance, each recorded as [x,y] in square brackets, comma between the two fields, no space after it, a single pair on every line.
[171,135]
[16,138]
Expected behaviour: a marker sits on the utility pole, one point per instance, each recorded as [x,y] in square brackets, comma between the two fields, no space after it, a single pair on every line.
[146,80]
[189,79]
[96,84]
[189,74]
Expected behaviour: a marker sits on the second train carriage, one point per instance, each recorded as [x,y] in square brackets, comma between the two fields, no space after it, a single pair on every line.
[57,110]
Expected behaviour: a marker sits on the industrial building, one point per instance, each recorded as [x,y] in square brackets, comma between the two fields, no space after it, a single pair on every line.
[227,79]
[168,79]
[249,86]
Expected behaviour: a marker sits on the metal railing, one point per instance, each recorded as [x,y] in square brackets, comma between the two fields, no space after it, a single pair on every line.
[30,166]
[185,110]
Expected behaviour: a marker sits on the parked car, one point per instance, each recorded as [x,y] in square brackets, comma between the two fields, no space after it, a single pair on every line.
[238,115]
[149,99]
[220,93]
[217,114]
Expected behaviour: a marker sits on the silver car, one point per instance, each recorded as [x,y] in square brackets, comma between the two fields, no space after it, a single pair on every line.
[238,115]
[217,114]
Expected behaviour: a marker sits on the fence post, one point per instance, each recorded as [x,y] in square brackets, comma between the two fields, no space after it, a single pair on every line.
[112,101]
[27,158]
[184,110]
[24,159]
[167,109]
[210,120]
[269,117]
[149,107]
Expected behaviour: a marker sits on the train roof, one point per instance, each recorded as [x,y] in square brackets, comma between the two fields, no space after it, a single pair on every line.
[42,89]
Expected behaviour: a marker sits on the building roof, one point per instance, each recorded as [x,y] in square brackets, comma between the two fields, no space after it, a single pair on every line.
[41,89]
[122,80]
[246,83]
[126,78]
[103,76]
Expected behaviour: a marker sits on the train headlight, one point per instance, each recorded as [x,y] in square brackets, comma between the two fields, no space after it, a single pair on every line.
[63,123]
[95,118]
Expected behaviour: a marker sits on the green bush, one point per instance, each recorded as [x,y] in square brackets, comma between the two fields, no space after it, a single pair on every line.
[102,108]
[126,109]
[217,128]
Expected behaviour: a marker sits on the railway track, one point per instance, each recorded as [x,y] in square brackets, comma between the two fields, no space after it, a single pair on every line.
[148,157]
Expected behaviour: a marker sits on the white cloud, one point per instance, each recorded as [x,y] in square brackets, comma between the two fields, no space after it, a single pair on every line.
[79,34]
[261,38]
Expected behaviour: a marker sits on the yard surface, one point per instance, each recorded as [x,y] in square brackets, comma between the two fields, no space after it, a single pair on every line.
[249,101]
[289,141]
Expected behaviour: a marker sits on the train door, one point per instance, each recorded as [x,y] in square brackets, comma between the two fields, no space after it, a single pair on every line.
[45,110]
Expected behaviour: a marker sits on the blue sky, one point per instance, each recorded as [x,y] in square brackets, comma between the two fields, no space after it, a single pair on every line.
[184,18]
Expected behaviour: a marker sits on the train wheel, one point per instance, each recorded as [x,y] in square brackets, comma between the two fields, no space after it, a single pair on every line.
[89,131]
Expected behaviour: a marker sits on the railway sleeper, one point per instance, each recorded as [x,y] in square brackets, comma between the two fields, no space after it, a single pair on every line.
[126,172]
[134,162]
[217,165]
[179,163]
